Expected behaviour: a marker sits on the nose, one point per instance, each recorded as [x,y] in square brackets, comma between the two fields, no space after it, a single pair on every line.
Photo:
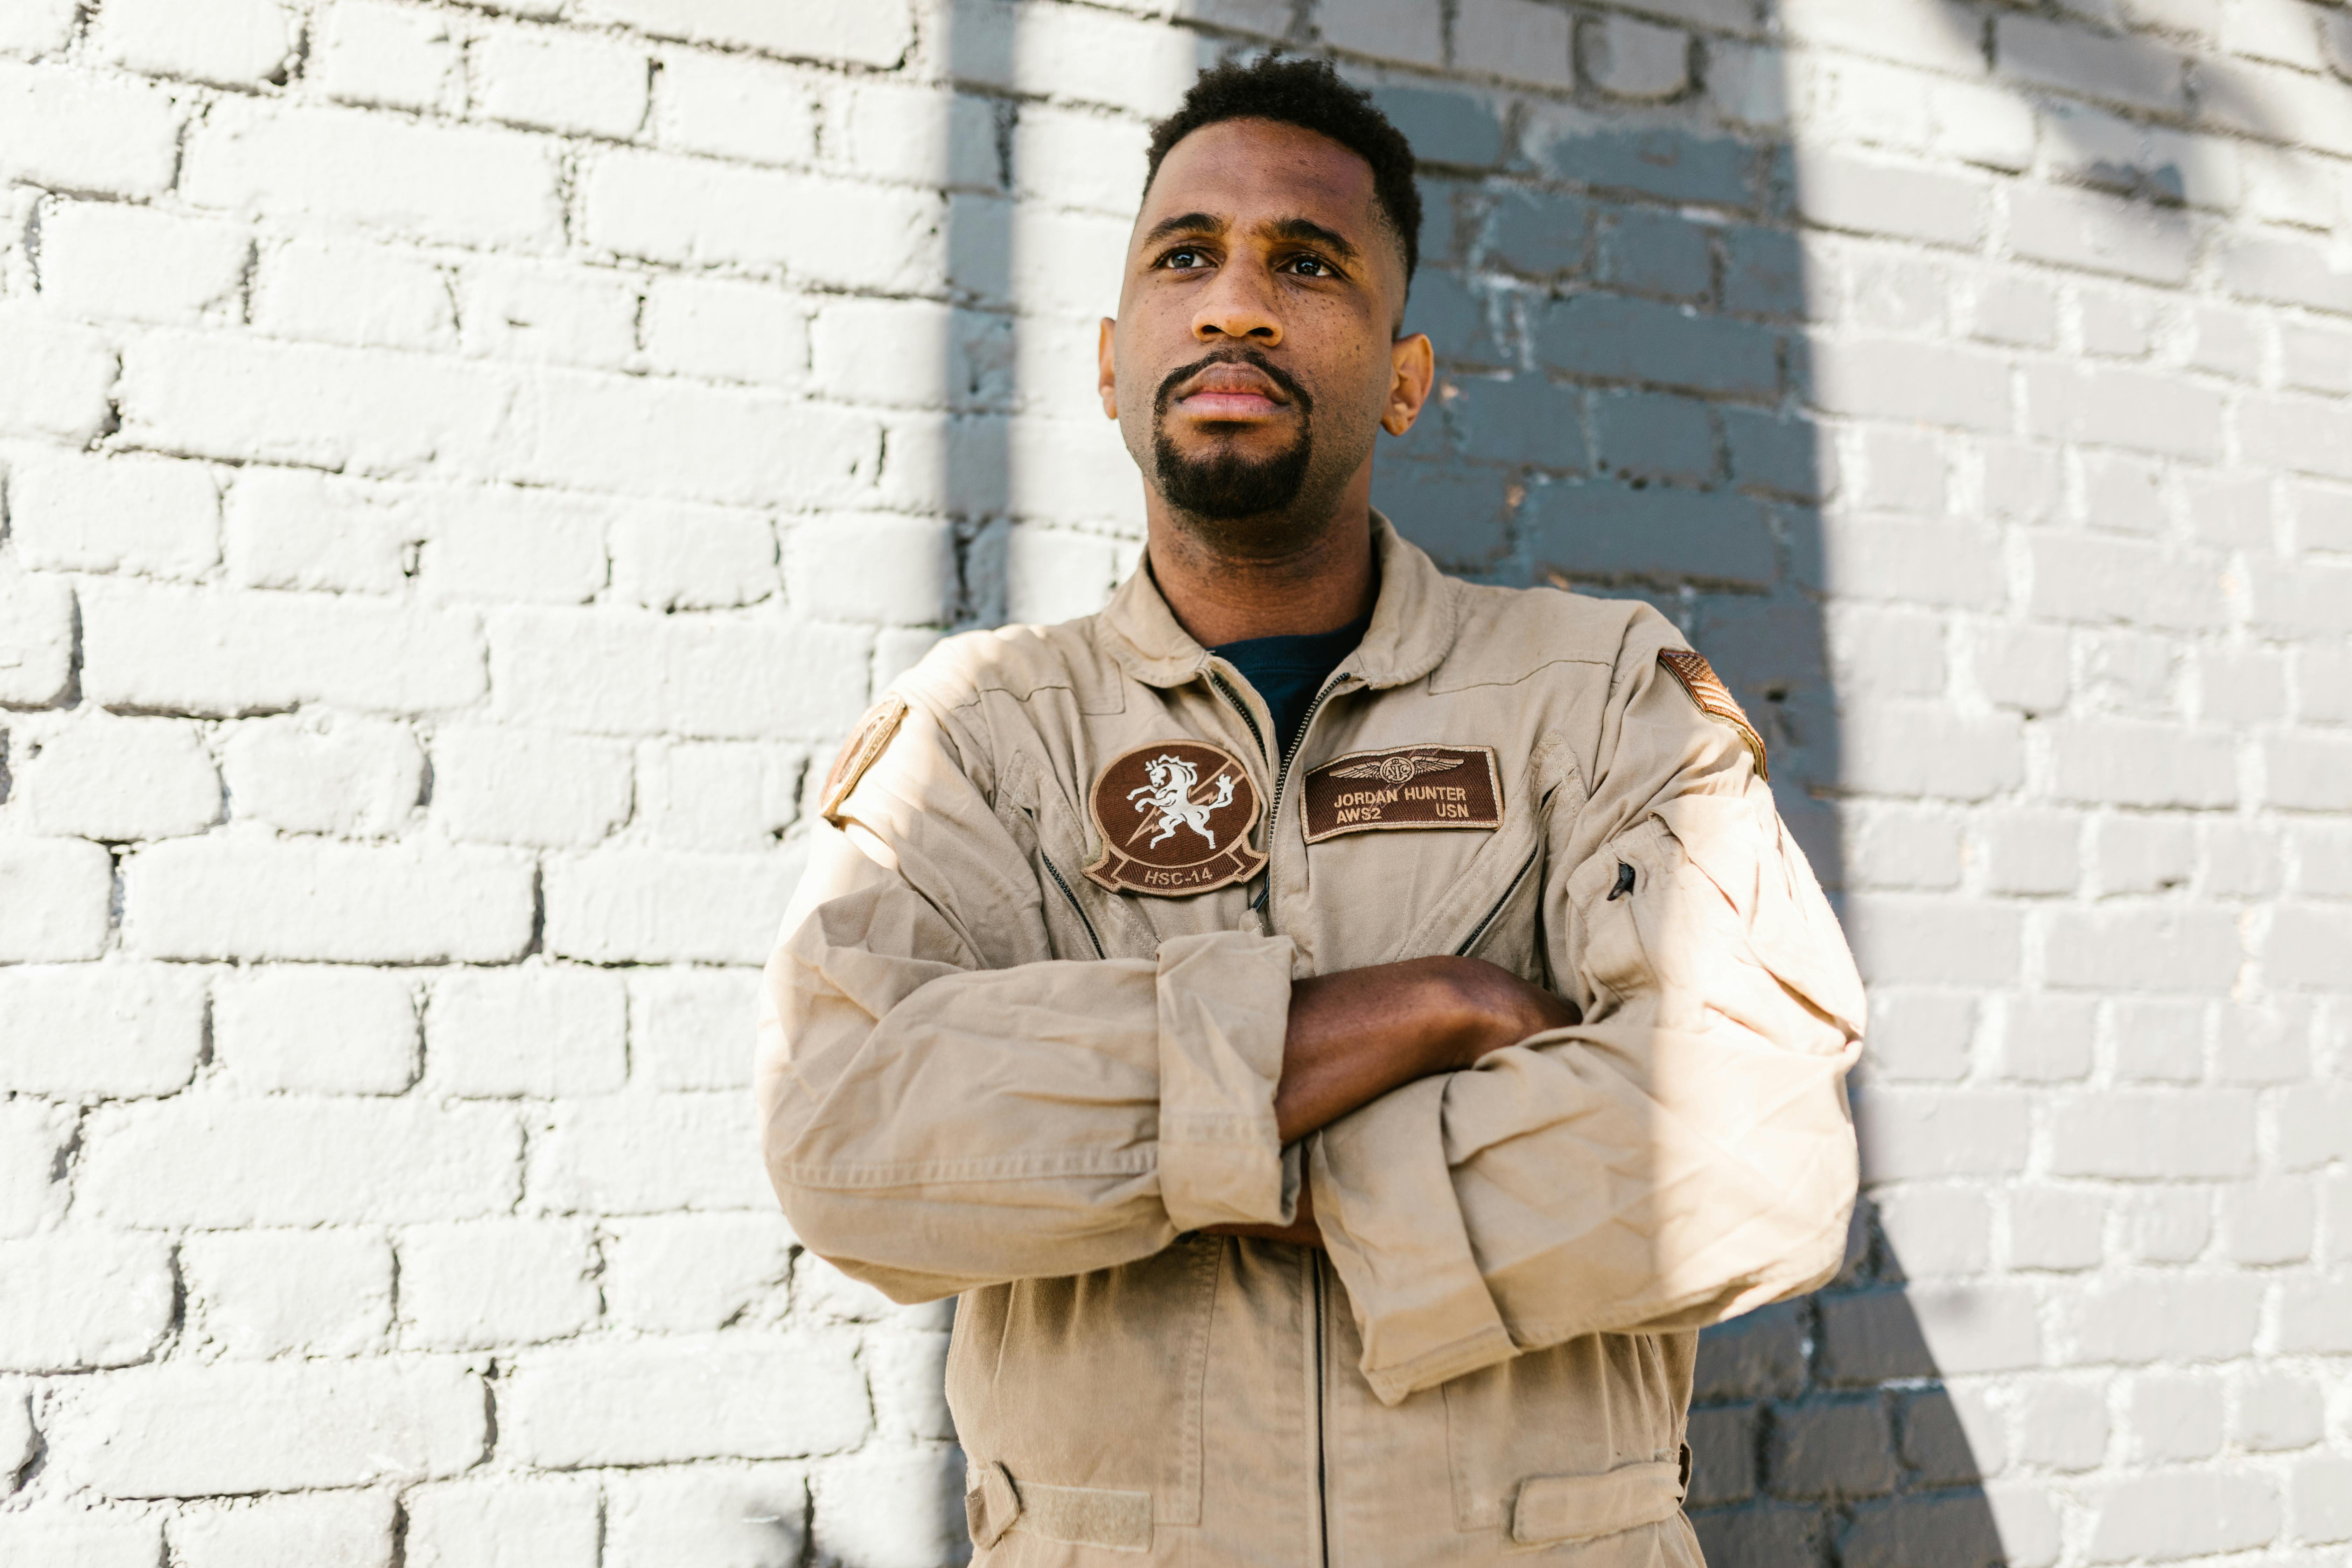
[1238,306]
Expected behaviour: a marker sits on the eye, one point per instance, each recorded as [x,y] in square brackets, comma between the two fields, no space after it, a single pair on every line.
[1310,266]
[1184,259]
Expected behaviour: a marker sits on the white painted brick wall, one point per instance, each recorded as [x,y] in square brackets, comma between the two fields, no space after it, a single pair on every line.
[465,465]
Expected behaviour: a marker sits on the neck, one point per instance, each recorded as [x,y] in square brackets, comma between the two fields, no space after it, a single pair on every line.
[1311,576]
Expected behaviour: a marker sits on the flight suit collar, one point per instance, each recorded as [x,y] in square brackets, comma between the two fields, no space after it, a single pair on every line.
[1414,620]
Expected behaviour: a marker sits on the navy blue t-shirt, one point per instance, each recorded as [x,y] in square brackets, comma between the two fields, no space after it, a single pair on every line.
[1288,671]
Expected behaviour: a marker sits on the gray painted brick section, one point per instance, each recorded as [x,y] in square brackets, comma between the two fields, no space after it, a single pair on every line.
[464,466]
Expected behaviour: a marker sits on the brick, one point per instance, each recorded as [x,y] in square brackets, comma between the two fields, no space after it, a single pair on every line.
[2319,1492]
[1836,191]
[1611,533]
[2285,272]
[720,795]
[626,1154]
[84,1538]
[859,1514]
[1911,1133]
[323,1530]
[54,899]
[1651,435]
[118,781]
[2010,309]
[70,1303]
[1758,1355]
[554,1523]
[2094,581]
[2182,1513]
[661,1401]
[1903,470]
[2159,1042]
[2313,1317]
[2314,1126]
[2323,518]
[1749,1538]
[2114,327]
[2174,1417]
[1917,749]
[129,513]
[1672,165]
[254,1295]
[696,1273]
[688,442]
[647,906]
[462,184]
[856,32]
[1954,1529]
[1526,419]
[292,528]
[192,1431]
[268,1023]
[59,376]
[735,107]
[352,410]
[509,544]
[211,653]
[489,1283]
[37,27]
[1884,378]
[112,1030]
[2296,599]
[1627,58]
[2306,772]
[389,56]
[755,1516]
[2267,1223]
[352,777]
[229,43]
[1778,456]
[222,1162]
[583,316]
[685,1026]
[32,1191]
[910,353]
[1841,1449]
[36,640]
[102,258]
[2141,1135]
[2276,1411]
[2048,1039]
[1942,36]
[2317,361]
[2056,1229]
[540,1031]
[643,674]
[1723,1462]
[667,209]
[73,130]
[2039,53]
[2306,946]
[2062,1424]
[1869,1338]
[1764,273]
[694,559]
[2031,851]
[1936,1231]
[1609,338]
[2285,105]
[357,295]
[727,331]
[2124,762]
[1516,39]
[2099,234]
[554,81]
[890,130]
[245,897]
[506,784]
[1404,31]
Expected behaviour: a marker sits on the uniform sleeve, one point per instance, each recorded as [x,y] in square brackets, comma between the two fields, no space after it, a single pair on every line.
[942,1106]
[1685,1153]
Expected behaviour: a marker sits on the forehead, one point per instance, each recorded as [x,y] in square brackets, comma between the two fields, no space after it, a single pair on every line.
[1246,170]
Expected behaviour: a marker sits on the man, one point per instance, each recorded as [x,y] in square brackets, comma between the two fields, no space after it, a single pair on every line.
[1341,1030]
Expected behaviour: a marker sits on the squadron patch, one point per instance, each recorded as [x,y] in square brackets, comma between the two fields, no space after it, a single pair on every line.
[1403,786]
[1175,818]
[866,743]
[1714,699]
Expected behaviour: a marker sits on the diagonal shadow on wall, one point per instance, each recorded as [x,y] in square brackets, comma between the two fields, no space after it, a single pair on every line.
[1619,305]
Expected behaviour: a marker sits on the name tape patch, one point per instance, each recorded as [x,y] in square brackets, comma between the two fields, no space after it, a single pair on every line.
[1403,786]
[1175,818]
[1714,699]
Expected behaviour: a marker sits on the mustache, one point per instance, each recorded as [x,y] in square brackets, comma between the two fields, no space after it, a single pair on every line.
[1274,373]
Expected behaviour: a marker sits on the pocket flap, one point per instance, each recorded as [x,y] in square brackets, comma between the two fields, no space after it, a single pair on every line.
[1572,1508]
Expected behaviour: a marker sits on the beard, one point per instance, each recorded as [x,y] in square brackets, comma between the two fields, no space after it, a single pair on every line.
[1225,486]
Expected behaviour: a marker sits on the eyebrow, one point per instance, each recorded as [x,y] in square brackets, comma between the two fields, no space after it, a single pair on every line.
[1296,229]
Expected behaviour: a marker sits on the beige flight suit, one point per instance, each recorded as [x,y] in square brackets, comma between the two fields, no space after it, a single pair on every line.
[983,1072]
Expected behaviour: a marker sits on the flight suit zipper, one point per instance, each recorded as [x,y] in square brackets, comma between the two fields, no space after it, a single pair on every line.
[1322,1462]
[1076,908]
[1517,877]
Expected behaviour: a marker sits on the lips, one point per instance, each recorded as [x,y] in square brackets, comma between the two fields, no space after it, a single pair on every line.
[1230,392]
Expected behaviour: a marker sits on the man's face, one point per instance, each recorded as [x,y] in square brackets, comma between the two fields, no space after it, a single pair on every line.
[1255,355]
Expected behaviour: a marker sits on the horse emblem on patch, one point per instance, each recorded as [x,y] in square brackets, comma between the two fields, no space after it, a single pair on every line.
[1175,818]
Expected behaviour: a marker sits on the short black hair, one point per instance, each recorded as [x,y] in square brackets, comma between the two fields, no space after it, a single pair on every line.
[1308,94]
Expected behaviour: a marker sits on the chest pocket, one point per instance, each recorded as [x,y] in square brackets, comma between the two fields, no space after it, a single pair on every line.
[1494,909]
[1081,921]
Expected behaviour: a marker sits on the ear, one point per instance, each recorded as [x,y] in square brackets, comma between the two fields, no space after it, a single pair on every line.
[1107,368]
[1412,367]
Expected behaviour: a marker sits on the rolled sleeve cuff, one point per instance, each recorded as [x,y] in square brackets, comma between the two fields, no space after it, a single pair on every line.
[1224,1008]
[1384,1201]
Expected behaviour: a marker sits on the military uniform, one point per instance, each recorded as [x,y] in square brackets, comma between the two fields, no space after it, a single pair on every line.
[1024,1022]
